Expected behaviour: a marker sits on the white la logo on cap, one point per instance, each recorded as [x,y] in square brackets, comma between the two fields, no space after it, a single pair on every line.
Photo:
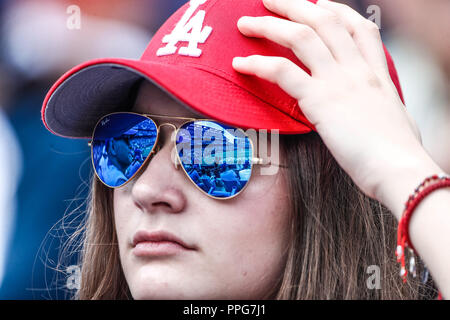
[187,29]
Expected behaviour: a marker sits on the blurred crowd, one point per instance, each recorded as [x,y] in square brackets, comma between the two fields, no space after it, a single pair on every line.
[44,176]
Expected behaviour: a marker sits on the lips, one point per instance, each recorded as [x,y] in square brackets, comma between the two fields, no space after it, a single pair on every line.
[158,243]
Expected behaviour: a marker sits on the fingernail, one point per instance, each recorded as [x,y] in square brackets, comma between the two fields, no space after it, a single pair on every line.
[237,61]
[244,19]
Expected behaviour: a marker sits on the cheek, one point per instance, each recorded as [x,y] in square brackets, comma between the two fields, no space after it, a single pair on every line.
[247,238]
[123,220]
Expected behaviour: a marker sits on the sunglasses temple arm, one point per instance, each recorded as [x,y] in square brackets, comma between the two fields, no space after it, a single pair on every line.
[266,162]
[260,161]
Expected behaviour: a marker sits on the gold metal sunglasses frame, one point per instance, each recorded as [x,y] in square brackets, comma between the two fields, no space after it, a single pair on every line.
[178,162]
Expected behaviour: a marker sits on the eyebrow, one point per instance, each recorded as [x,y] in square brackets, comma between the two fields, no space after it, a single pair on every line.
[139,108]
[163,116]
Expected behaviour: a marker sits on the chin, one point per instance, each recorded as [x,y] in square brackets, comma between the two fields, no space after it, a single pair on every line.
[157,286]
[145,294]
[168,292]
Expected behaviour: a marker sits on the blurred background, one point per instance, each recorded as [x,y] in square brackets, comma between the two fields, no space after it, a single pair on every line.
[45,178]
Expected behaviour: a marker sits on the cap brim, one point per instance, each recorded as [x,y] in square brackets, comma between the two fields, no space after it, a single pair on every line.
[93,89]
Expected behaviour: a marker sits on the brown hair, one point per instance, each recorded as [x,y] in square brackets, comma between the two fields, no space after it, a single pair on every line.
[336,234]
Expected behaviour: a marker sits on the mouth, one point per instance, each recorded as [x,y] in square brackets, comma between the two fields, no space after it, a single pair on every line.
[158,243]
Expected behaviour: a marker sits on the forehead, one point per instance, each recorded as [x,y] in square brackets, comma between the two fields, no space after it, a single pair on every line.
[153,100]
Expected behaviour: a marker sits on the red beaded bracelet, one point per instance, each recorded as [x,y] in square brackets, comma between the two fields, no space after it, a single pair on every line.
[429,185]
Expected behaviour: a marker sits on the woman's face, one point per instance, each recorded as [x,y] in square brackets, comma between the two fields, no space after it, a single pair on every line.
[236,246]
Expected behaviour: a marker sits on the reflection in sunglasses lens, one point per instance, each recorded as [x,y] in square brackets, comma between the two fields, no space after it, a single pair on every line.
[121,144]
[216,157]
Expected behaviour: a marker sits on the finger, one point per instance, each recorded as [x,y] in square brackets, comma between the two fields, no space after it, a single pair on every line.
[282,71]
[365,33]
[326,23]
[301,39]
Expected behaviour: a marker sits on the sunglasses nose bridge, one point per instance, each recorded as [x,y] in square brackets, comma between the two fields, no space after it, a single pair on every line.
[167,124]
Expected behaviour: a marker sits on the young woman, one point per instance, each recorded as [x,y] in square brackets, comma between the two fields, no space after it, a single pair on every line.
[313,229]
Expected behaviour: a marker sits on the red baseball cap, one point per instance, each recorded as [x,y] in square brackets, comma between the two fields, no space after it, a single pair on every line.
[190,58]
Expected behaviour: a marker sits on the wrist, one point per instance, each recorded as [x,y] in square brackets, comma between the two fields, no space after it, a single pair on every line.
[400,181]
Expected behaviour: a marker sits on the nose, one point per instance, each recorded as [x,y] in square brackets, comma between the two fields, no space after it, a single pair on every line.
[160,185]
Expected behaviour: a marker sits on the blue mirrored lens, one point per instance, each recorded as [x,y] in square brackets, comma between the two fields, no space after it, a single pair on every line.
[121,143]
[216,157]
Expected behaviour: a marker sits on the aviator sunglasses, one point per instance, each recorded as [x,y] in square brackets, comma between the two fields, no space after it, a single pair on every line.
[217,158]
